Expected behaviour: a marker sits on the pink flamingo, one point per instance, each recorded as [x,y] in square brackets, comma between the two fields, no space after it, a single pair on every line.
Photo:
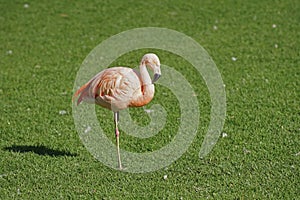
[118,88]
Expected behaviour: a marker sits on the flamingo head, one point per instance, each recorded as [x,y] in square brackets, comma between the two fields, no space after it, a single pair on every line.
[152,61]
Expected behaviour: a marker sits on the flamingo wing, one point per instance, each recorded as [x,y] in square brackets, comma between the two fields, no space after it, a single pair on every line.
[112,88]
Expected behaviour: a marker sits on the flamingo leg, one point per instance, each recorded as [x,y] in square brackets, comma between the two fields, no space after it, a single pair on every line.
[116,119]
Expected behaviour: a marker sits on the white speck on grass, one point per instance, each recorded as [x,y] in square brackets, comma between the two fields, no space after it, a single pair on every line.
[297,154]
[224,135]
[9,52]
[293,166]
[26,5]
[62,112]
[267,80]
[274,26]
[165,177]
[234,59]
[246,150]
[3,175]
[63,15]
[276,46]
[215,27]
[149,110]
[18,191]
[88,129]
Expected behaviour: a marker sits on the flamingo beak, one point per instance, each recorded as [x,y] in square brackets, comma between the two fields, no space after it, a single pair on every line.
[155,78]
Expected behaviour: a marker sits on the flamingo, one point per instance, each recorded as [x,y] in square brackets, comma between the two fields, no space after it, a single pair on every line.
[118,88]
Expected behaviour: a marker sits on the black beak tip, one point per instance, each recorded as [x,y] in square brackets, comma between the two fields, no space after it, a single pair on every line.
[155,78]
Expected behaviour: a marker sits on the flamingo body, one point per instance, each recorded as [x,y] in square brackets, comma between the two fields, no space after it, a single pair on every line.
[116,88]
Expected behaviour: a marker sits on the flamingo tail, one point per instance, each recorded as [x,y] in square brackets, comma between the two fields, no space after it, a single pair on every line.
[82,93]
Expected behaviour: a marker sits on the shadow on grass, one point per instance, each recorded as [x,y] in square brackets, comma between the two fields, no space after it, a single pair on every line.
[38,149]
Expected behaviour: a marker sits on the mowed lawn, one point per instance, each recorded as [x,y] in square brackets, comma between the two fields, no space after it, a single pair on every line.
[256,47]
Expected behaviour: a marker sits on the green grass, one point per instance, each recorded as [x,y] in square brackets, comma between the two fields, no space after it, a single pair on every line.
[43,46]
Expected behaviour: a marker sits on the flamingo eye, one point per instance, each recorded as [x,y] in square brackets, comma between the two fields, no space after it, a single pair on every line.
[154,62]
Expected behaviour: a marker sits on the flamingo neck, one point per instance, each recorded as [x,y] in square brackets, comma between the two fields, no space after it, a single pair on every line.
[147,89]
[145,77]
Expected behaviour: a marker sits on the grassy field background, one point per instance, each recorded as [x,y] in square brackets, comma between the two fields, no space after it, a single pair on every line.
[43,44]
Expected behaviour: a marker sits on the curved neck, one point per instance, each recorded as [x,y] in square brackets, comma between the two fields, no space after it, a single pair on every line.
[145,77]
[147,88]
